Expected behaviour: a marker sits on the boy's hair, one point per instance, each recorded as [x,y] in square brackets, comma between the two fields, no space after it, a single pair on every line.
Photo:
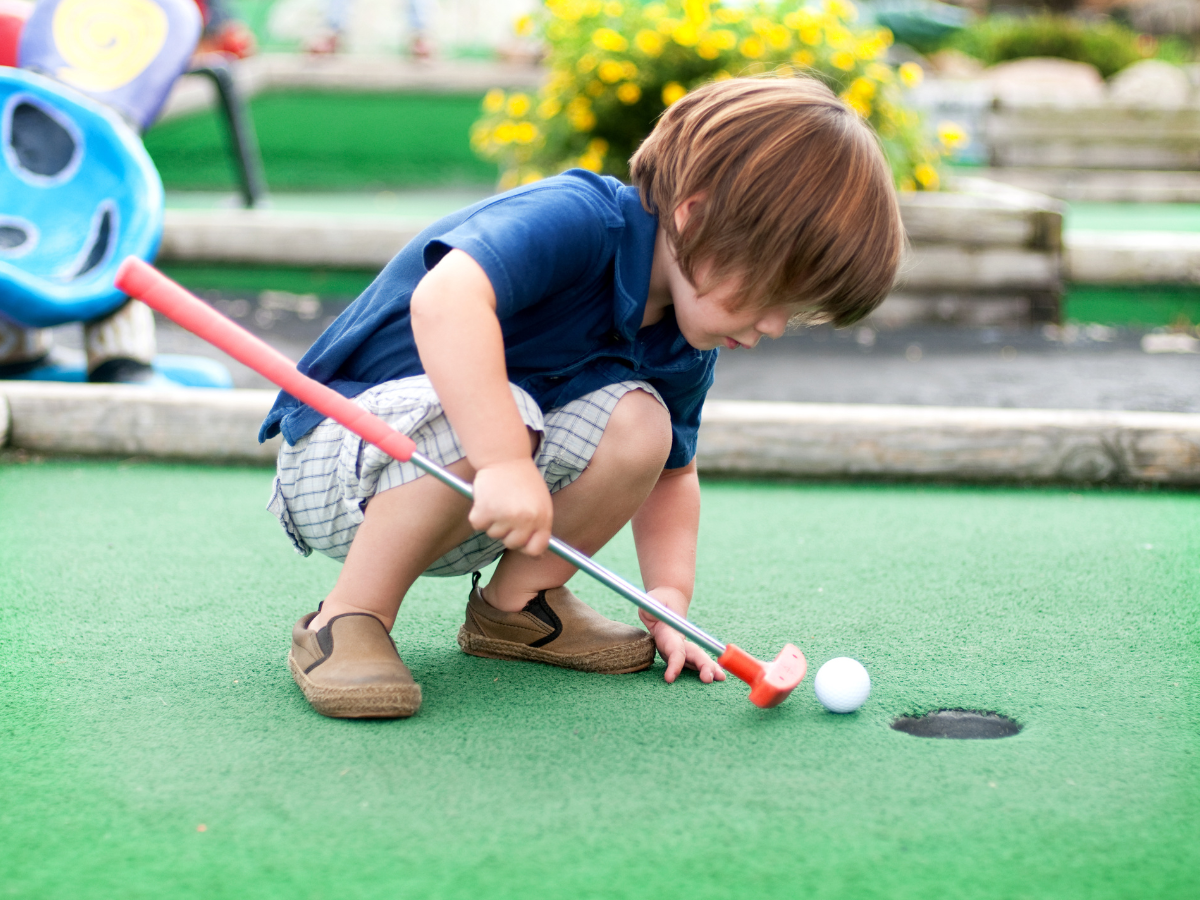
[797,198]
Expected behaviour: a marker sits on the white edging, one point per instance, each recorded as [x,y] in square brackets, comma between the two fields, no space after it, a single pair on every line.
[958,444]
[1133,257]
[742,438]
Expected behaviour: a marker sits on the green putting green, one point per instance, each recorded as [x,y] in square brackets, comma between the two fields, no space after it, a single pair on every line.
[155,746]
[331,141]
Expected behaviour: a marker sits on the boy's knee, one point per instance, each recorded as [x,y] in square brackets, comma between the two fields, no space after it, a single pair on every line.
[639,431]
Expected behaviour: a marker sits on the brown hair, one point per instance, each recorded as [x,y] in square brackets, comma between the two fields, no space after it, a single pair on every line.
[797,198]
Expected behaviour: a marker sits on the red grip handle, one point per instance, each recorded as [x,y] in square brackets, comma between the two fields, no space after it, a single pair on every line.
[156,290]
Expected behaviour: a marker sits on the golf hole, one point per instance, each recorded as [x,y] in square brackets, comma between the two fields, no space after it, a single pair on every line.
[963,724]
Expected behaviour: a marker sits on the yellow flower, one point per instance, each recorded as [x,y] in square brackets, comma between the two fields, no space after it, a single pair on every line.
[613,9]
[927,176]
[508,180]
[685,34]
[655,11]
[505,133]
[629,70]
[524,25]
[493,101]
[843,9]
[707,48]
[666,26]
[548,109]
[784,71]
[629,93]
[952,135]
[672,91]
[607,39]
[778,37]
[801,18]
[649,42]
[610,71]
[804,58]
[880,73]
[525,133]
[863,88]
[728,16]
[751,48]
[518,105]
[911,74]
[531,176]
[598,146]
[839,37]
[761,26]
[595,88]
[843,60]
[721,75]
[591,162]
[586,63]
[697,12]
[583,121]
[810,34]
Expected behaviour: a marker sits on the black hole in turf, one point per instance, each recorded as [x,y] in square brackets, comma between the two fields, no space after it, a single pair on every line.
[96,254]
[41,144]
[12,237]
[967,724]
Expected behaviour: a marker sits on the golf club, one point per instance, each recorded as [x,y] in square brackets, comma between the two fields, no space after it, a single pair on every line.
[770,683]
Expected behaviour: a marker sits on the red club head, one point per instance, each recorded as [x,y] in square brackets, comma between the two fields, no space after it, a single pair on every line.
[770,683]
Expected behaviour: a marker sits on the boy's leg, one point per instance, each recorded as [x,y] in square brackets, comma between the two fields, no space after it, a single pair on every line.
[404,531]
[587,513]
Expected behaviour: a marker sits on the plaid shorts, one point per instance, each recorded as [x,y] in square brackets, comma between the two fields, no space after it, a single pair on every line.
[325,479]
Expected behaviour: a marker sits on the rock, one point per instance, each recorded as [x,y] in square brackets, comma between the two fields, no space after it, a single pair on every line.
[951,63]
[1042,81]
[1152,83]
[1166,16]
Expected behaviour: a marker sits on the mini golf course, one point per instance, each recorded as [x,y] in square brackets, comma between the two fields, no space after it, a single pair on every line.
[154,744]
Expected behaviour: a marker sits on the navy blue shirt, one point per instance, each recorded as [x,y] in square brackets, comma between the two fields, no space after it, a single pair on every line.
[569,259]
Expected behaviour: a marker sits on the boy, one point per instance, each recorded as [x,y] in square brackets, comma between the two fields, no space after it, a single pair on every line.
[553,345]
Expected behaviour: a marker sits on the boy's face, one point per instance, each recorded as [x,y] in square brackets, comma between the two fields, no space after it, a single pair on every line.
[713,319]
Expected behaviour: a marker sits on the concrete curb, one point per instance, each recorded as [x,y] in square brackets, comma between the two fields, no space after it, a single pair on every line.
[739,438]
[1133,257]
[339,240]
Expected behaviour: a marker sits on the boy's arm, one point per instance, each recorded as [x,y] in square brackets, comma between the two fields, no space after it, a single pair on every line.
[665,529]
[458,336]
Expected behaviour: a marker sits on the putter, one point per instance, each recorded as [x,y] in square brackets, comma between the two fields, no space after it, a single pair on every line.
[770,683]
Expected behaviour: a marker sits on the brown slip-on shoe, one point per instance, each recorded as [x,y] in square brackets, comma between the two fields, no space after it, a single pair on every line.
[558,628]
[350,669]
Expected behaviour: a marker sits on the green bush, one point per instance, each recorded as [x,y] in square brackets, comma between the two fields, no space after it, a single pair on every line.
[1107,45]
[615,66]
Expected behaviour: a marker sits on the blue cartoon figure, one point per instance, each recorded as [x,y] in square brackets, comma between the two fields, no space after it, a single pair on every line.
[78,192]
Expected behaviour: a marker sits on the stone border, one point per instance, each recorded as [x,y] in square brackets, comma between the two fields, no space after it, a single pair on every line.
[738,438]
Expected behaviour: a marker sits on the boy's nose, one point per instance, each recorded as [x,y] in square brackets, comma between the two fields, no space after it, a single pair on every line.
[773,326]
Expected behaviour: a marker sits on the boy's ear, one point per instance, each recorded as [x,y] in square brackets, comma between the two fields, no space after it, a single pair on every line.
[684,210]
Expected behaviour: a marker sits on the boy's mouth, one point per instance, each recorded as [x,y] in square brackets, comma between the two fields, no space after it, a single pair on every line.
[732,344]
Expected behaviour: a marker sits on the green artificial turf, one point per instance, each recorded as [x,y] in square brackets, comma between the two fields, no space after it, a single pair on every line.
[1146,304]
[314,141]
[330,284]
[144,620]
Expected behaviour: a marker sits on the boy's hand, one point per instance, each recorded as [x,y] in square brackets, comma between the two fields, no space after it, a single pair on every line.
[678,652]
[512,504]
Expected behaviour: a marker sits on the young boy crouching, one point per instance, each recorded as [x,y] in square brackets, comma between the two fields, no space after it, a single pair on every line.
[553,345]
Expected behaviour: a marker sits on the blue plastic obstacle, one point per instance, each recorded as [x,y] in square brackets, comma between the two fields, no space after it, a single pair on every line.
[78,192]
[79,195]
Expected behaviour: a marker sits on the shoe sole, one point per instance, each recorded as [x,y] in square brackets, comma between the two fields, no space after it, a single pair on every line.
[633,657]
[365,702]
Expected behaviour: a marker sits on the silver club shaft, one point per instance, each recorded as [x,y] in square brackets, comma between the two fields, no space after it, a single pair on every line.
[637,597]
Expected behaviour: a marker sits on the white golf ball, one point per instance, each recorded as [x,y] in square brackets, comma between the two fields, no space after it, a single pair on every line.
[842,685]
